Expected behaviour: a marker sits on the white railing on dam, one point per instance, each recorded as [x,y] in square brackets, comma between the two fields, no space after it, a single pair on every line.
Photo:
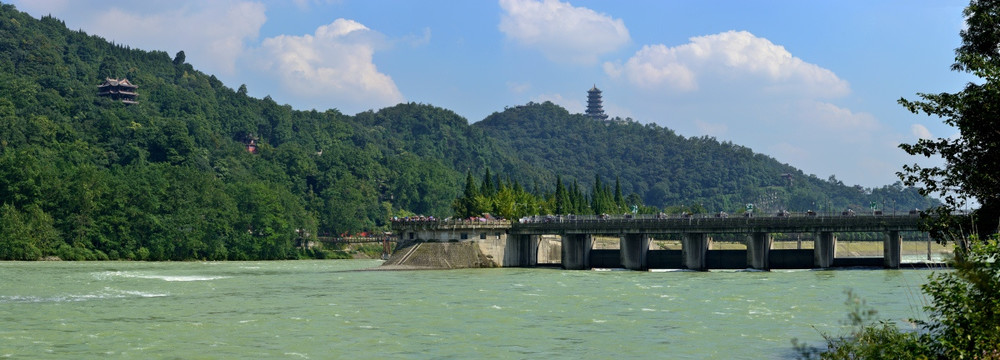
[785,222]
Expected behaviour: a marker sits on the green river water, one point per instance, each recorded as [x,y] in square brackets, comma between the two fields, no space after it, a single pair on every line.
[323,310]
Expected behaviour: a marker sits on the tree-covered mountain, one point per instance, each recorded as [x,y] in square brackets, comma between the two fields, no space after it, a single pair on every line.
[666,169]
[171,177]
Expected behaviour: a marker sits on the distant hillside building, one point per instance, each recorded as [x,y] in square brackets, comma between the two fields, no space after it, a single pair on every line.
[251,143]
[120,90]
[594,108]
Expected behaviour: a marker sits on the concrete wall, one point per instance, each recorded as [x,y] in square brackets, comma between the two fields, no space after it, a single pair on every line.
[634,248]
[891,249]
[758,250]
[605,259]
[665,259]
[726,259]
[576,251]
[549,250]
[456,235]
[440,255]
[695,245]
[791,259]
[824,249]
[497,249]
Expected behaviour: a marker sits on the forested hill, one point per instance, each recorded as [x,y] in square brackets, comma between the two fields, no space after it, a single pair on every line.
[667,169]
[171,177]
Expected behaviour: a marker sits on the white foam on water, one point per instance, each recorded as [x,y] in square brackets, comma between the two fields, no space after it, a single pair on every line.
[107,293]
[182,278]
[143,293]
[125,274]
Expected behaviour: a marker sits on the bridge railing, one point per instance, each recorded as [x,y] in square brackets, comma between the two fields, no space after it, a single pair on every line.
[779,222]
[658,217]
[403,223]
[356,239]
[783,223]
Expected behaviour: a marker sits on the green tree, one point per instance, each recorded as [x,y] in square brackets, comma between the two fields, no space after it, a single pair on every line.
[619,198]
[466,205]
[971,167]
[562,200]
[488,188]
[180,58]
[15,236]
[964,321]
[964,318]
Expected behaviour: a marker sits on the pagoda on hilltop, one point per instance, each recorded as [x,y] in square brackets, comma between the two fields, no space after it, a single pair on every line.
[120,90]
[594,108]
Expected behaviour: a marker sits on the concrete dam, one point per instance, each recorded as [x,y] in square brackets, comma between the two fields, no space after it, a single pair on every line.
[535,241]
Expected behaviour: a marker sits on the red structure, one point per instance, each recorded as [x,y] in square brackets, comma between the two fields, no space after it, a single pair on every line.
[120,90]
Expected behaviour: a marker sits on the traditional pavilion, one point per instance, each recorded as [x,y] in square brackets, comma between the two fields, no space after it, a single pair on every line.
[594,108]
[120,90]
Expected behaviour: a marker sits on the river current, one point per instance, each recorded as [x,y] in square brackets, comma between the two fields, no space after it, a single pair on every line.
[324,310]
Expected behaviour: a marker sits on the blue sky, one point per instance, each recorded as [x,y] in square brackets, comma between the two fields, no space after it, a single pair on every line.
[810,83]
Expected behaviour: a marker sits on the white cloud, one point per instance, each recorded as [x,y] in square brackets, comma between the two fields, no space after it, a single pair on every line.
[831,118]
[711,129]
[920,131]
[518,87]
[572,105]
[305,5]
[417,41]
[614,110]
[793,153]
[733,58]
[211,34]
[332,67]
[817,136]
[562,32]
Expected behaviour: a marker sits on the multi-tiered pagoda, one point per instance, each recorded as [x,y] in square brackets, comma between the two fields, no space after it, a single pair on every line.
[594,108]
[120,90]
